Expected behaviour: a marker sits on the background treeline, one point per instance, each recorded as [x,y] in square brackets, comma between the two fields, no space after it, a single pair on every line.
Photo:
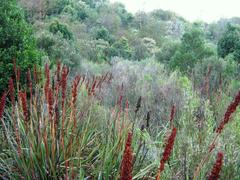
[81,33]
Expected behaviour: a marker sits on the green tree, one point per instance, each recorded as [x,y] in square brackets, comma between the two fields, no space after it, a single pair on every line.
[192,50]
[94,3]
[121,48]
[16,41]
[167,51]
[56,27]
[126,17]
[102,33]
[230,42]
[55,7]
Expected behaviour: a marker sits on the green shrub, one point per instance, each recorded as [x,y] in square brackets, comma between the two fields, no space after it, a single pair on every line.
[230,42]
[16,42]
[56,27]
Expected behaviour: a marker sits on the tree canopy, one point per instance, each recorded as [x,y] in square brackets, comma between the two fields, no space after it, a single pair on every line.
[16,41]
[230,42]
[192,50]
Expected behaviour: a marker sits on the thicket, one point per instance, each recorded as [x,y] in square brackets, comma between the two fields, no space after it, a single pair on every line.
[16,42]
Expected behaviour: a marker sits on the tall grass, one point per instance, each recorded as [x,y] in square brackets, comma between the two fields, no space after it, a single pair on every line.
[57,127]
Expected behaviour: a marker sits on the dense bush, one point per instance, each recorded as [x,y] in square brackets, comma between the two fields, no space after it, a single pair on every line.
[121,48]
[56,27]
[192,50]
[58,48]
[230,42]
[16,42]
[167,51]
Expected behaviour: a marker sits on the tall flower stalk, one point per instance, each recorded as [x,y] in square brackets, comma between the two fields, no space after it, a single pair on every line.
[215,172]
[230,110]
[173,111]
[127,160]
[64,87]
[2,105]
[227,117]
[23,97]
[167,152]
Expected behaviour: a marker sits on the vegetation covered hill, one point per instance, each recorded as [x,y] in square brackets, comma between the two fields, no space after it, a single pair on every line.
[90,91]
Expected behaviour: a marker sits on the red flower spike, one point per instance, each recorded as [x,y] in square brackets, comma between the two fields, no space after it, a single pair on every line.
[58,71]
[167,151]
[23,97]
[230,110]
[211,147]
[50,103]
[127,161]
[215,173]
[2,105]
[47,84]
[93,87]
[173,110]
[75,89]
[11,91]
[64,83]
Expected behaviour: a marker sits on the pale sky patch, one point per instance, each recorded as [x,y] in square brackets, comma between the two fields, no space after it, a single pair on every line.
[192,10]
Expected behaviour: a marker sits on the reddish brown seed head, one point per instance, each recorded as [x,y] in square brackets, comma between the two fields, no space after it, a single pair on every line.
[168,148]
[64,83]
[230,110]
[50,102]
[58,71]
[215,173]
[23,97]
[75,89]
[11,91]
[173,110]
[127,161]
[2,105]
[47,83]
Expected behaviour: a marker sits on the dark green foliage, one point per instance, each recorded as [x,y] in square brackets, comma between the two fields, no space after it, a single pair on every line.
[55,7]
[139,50]
[56,27]
[16,41]
[102,33]
[81,11]
[46,42]
[230,42]
[96,50]
[222,72]
[167,51]
[125,16]
[58,48]
[121,48]
[94,3]
[163,15]
[191,51]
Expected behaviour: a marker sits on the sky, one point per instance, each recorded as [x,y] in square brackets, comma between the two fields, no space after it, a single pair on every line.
[192,10]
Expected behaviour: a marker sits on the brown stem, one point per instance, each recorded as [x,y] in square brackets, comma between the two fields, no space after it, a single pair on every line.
[205,158]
